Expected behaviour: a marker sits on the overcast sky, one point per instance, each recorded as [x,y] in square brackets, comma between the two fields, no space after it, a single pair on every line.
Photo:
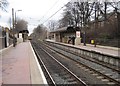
[33,11]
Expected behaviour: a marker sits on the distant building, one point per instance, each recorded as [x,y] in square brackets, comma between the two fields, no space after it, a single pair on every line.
[5,40]
[23,34]
[63,34]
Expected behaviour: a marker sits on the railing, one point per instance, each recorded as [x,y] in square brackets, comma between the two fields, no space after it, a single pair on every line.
[3,42]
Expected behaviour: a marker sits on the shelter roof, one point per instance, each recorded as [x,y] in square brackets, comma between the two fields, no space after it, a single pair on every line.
[59,30]
[24,31]
[66,29]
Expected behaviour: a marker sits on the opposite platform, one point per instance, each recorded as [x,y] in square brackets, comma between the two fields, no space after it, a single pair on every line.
[107,50]
[20,66]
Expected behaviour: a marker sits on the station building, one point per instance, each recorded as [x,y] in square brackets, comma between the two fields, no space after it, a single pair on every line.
[22,35]
[65,34]
[6,36]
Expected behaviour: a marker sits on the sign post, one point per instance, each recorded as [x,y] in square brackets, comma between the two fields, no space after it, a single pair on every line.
[78,38]
[77,34]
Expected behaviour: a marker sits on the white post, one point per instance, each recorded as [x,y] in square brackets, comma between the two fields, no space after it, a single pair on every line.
[78,38]
[7,38]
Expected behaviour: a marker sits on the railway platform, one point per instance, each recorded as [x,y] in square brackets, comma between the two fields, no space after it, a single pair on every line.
[113,51]
[20,66]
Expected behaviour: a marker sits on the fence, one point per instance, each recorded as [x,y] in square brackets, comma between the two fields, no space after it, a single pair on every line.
[5,39]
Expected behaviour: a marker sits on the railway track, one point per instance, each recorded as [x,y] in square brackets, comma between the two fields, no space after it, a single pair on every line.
[110,75]
[114,68]
[55,70]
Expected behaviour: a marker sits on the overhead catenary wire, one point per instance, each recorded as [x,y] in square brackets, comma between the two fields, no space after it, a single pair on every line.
[53,15]
[55,12]
[49,9]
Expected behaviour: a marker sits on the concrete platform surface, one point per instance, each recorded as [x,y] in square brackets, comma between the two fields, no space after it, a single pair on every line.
[113,51]
[20,66]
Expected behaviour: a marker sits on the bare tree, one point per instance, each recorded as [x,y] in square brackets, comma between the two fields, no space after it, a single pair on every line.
[40,32]
[77,13]
[68,16]
[21,25]
[67,20]
[52,25]
[94,17]
[3,4]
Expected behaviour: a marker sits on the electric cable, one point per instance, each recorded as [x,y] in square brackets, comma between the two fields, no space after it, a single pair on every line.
[55,12]
[50,9]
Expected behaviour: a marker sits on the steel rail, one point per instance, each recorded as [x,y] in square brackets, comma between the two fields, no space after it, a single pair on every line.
[111,79]
[40,60]
[70,72]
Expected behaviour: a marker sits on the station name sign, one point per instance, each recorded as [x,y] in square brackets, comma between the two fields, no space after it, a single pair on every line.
[77,34]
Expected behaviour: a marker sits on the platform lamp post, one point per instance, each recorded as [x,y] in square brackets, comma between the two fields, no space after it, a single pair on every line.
[16,18]
[13,21]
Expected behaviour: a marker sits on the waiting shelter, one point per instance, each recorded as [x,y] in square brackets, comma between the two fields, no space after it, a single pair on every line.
[65,34]
[23,35]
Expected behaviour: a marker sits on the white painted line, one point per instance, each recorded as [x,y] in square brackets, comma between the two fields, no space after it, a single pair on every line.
[108,74]
[117,79]
[100,77]
[105,80]
[66,68]
[86,69]
[111,83]
[40,69]
[91,72]
[2,50]
[95,74]
[102,71]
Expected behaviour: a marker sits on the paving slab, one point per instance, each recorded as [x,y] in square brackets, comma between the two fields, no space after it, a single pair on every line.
[16,66]
[19,66]
[113,51]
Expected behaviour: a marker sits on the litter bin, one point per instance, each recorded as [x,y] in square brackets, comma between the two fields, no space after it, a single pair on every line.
[92,41]
[73,40]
